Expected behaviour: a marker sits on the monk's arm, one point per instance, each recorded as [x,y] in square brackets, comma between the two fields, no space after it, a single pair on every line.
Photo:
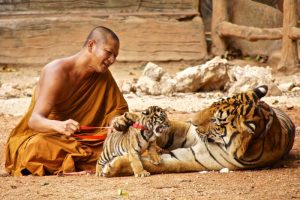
[39,122]
[49,89]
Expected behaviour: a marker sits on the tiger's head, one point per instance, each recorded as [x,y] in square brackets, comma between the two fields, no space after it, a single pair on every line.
[235,120]
[156,119]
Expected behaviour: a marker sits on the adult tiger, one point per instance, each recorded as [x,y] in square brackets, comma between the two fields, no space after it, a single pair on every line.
[239,132]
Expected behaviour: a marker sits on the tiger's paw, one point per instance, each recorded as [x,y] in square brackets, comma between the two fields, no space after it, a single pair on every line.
[155,159]
[122,123]
[143,173]
[98,170]
[98,174]
[105,174]
[102,174]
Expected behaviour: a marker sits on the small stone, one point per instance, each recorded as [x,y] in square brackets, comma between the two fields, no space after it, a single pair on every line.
[289,107]
[203,172]
[224,170]
[295,89]
[44,184]
[275,101]
[285,87]
[122,192]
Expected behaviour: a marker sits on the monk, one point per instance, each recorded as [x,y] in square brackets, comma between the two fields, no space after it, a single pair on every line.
[72,91]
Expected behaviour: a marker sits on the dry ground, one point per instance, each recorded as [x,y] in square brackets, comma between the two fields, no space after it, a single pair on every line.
[281,182]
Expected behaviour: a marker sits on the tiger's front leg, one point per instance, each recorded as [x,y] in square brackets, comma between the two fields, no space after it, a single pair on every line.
[153,155]
[98,169]
[136,164]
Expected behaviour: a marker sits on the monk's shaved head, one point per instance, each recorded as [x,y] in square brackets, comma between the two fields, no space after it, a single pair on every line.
[101,33]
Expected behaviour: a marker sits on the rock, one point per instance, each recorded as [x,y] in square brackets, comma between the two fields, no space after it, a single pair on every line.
[168,86]
[153,71]
[155,81]
[224,170]
[275,101]
[206,77]
[126,86]
[148,86]
[285,87]
[289,107]
[28,92]
[253,14]
[275,57]
[188,79]
[8,90]
[248,77]
[295,89]
[274,90]
[142,38]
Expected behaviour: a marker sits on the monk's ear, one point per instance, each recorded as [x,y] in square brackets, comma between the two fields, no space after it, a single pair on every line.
[90,45]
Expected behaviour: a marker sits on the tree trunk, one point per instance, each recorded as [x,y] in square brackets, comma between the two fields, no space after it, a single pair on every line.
[219,15]
[289,61]
[226,29]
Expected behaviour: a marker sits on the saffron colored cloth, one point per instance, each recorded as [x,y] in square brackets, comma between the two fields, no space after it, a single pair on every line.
[95,103]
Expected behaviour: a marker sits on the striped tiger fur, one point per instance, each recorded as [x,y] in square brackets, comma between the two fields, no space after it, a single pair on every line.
[239,132]
[132,134]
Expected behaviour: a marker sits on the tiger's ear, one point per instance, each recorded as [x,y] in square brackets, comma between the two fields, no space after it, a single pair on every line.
[261,91]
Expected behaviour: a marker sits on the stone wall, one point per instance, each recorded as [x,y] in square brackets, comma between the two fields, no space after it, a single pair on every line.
[35,31]
[39,40]
[99,5]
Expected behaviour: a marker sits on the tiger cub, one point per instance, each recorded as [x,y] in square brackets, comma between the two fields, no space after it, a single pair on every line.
[133,134]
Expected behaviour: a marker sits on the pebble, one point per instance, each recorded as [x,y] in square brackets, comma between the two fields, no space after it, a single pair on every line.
[275,101]
[289,107]
[224,170]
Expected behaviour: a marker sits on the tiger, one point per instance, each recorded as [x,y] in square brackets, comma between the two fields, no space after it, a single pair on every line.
[240,132]
[132,135]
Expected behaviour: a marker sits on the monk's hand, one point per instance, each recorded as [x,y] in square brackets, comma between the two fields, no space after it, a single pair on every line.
[69,127]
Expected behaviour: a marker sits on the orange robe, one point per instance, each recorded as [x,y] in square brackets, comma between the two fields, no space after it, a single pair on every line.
[95,103]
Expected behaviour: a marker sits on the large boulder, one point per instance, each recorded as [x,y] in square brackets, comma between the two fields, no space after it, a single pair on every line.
[209,76]
[250,13]
[247,77]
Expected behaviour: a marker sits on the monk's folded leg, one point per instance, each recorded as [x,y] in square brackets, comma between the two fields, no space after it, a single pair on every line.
[46,154]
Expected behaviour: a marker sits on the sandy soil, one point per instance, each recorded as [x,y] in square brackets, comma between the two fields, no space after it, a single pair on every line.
[280,182]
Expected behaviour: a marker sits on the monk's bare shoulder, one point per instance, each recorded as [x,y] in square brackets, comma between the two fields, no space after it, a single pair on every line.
[56,69]
[53,80]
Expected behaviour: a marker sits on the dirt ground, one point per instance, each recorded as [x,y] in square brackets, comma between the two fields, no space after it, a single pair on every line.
[280,182]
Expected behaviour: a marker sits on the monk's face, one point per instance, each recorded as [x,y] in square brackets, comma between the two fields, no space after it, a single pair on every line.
[104,54]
